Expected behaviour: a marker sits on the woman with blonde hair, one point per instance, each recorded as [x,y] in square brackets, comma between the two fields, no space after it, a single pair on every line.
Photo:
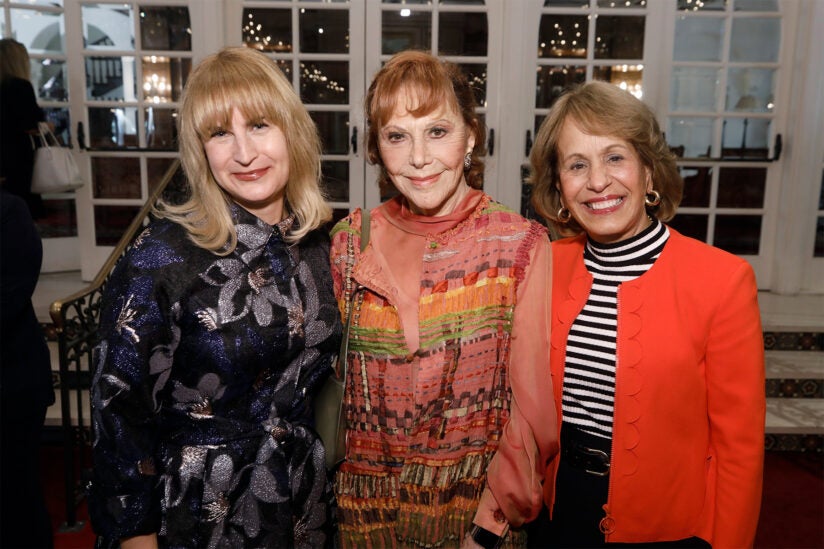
[19,118]
[218,325]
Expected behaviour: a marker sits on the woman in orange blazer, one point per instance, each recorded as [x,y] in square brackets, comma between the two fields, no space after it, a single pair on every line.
[657,354]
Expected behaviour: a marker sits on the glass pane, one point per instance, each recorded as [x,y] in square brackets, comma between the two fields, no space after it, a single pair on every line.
[462,34]
[692,225]
[335,181]
[566,3]
[738,234]
[693,89]
[115,177]
[177,191]
[463,2]
[476,74]
[703,5]
[405,29]
[111,79]
[110,222]
[750,90]
[324,31]
[161,128]
[62,123]
[108,27]
[818,251]
[694,134]
[618,37]
[746,138]
[552,81]
[407,1]
[697,186]
[165,28]
[286,67]
[756,5]
[698,39]
[563,36]
[626,77]
[50,79]
[821,196]
[48,3]
[334,131]
[741,187]
[39,31]
[622,3]
[112,128]
[755,40]
[164,78]
[268,29]
[324,82]
[155,170]
[59,218]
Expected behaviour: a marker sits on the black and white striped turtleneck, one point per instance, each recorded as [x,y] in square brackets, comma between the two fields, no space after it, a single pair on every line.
[589,374]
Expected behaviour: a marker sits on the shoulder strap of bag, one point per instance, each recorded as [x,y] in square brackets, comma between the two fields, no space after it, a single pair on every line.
[344,342]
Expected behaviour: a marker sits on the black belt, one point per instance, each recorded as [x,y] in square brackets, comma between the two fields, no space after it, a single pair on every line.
[585,452]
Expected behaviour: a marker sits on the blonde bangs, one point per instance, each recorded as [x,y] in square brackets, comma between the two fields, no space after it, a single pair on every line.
[229,84]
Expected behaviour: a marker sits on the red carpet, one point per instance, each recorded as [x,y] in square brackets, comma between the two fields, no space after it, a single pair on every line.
[792,512]
[792,509]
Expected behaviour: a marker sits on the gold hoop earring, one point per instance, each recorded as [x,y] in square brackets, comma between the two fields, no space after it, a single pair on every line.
[563,215]
[656,198]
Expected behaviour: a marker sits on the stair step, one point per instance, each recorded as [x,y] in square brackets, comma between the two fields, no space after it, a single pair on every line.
[794,364]
[795,374]
[788,313]
[795,416]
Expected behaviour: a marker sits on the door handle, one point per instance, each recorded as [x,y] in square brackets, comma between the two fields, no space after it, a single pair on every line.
[491,143]
[354,140]
[81,136]
[528,147]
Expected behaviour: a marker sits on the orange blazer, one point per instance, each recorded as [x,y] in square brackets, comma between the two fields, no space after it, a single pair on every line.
[688,426]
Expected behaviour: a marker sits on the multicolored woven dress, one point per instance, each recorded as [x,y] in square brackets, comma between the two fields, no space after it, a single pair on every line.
[444,372]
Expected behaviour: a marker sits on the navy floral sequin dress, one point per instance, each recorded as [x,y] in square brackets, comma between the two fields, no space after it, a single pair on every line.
[200,396]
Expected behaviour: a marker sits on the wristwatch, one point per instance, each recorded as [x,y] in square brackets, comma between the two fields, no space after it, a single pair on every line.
[485,538]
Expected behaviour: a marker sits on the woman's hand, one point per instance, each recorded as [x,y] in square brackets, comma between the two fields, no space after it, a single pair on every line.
[149,541]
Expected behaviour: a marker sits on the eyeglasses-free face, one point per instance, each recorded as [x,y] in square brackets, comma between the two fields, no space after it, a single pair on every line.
[424,157]
[603,184]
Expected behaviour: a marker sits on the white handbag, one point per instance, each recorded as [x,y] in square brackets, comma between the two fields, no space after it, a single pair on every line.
[55,170]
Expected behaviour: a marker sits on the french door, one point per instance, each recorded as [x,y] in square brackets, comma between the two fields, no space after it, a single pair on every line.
[736,84]
[40,26]
[727,79]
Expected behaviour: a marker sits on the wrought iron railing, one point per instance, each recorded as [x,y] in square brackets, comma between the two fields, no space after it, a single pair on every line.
[76,319]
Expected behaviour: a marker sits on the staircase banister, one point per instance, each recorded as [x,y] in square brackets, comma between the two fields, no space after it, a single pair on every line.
[58,307]
[76,319]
